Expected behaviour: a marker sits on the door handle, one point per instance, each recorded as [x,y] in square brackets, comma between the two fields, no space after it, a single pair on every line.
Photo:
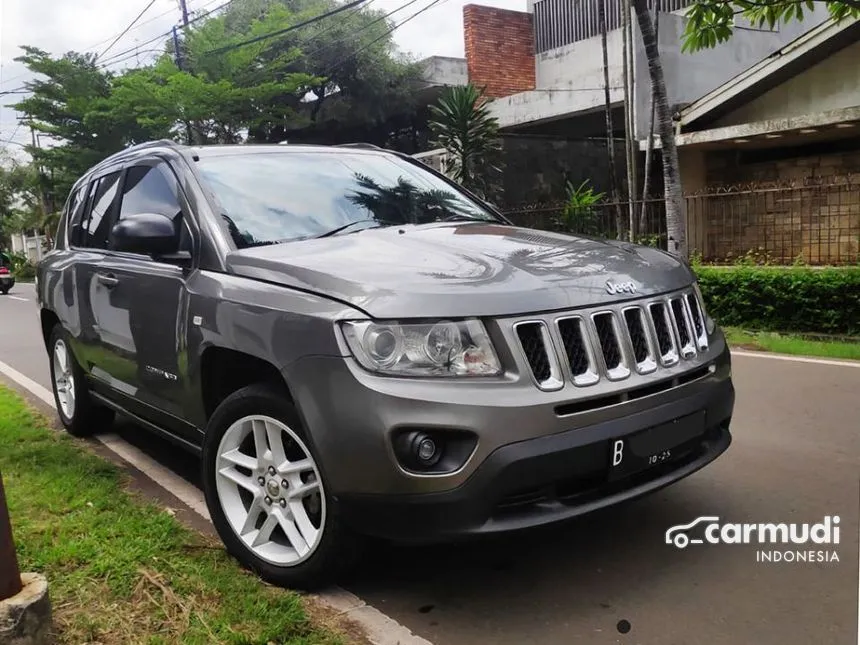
[109,280]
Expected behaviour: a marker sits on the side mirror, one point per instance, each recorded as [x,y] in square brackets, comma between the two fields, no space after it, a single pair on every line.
[146,233]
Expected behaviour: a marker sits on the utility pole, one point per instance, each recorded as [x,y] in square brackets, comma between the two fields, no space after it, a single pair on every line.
[42,198]
[184,7]
[10,574]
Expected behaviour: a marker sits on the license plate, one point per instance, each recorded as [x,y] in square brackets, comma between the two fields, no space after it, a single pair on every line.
[653,446]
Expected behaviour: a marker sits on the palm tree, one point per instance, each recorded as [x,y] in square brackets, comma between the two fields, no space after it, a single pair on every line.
[404,202]
[675,221]
[462,124]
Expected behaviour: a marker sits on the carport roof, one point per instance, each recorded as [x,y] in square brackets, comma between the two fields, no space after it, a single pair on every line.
[802,53]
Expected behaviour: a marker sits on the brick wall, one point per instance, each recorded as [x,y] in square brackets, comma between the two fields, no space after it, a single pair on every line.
[499,49]
[805,205]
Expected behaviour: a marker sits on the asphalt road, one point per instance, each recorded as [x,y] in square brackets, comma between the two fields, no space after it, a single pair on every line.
[795,458]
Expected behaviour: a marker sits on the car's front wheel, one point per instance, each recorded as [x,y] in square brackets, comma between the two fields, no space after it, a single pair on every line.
[266,493]
[79,413]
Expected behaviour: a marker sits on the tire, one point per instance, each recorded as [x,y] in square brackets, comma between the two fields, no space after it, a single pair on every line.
[84,416]
[5,291]
[252,502]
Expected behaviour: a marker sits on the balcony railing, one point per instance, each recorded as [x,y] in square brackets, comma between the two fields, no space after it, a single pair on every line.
[562,22]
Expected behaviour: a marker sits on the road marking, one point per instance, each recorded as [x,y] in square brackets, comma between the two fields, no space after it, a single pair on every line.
[18,298]
[796,359]
[379,628]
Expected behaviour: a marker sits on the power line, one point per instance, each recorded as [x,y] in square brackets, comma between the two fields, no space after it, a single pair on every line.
[378,38]
[126,30]
[310,21]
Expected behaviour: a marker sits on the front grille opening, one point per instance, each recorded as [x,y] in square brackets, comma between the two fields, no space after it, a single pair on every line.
[633,318]
[681,322]
[572,337]
[608,340]
[696,313]
[664,336]
[531,339]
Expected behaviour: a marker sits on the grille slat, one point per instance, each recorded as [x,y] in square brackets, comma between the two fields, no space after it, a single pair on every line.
[532,341]
[661,327]
[573,339]
[684,332]
[608,340]
[638,338]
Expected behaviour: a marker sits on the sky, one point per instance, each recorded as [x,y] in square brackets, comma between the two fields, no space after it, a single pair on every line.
[58,26]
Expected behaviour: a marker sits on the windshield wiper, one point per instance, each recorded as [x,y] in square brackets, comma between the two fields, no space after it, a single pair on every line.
[351,224]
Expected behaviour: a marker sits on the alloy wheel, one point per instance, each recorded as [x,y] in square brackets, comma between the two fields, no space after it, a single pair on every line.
[270,490]
[64,379]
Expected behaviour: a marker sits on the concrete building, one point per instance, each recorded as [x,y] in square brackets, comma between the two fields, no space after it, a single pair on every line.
[771,158]
[544,66]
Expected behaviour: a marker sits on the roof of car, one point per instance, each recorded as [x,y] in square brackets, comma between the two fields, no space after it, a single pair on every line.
[199,151]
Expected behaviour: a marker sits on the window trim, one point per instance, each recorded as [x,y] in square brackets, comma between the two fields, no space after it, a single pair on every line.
[90,195]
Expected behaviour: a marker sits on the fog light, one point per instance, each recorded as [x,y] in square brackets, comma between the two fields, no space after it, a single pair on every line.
[426,450]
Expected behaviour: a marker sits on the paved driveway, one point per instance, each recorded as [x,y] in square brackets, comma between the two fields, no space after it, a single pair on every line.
[795,458]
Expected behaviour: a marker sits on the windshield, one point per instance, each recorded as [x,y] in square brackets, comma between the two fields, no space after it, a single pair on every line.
[275,197]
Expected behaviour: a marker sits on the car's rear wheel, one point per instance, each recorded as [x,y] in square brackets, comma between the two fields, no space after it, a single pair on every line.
[267,495]
[79,413]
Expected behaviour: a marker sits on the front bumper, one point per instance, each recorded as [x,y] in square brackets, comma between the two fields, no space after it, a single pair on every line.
[552,478]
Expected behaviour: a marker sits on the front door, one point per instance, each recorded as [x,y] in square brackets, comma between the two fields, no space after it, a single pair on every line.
[143,319]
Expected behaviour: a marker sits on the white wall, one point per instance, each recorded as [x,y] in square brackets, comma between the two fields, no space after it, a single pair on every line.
[691,76]
[832,84]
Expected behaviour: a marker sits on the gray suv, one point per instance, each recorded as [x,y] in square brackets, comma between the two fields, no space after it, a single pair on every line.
[355,346]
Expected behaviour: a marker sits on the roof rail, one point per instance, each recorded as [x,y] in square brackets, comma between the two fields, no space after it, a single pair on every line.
[369,146]
[160,143]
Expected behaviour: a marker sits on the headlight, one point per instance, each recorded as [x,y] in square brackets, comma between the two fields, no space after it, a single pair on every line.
[710,325]
[445,348]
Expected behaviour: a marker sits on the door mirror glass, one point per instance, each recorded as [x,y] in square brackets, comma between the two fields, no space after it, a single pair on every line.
[146,233]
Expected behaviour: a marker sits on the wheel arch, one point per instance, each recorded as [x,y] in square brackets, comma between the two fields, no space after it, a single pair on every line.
[224,371]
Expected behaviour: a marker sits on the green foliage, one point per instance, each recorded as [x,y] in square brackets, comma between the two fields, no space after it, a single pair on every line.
[579,213]
[462,124]
[348,67]
[711,22]
[791,299]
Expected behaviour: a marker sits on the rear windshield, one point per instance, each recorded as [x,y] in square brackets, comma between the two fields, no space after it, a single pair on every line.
[273,197]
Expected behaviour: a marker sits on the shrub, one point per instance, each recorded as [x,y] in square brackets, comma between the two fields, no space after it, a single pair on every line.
[790,299]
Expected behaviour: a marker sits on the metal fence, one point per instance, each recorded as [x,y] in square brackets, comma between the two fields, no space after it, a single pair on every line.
[561,22]
[816,223]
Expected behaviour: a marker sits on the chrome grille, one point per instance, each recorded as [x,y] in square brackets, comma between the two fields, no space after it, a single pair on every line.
[638,337]
[536,346]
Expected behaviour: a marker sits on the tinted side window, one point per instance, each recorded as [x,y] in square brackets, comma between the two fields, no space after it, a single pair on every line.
[150,189]
[101,212]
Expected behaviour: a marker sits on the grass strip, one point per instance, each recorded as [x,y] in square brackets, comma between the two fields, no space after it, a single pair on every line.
[121,569]
[791,344]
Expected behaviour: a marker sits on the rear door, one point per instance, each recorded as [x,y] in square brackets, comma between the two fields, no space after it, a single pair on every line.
[142,316]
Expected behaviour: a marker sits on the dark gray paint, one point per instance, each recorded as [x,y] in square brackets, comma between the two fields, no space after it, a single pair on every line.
[281,304]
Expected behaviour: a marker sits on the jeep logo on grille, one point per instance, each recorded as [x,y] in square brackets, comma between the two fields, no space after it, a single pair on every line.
[620,287]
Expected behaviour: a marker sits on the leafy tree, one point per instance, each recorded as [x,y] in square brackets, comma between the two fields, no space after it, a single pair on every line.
[710,22]
[19,198]
[464,127]
[360,77]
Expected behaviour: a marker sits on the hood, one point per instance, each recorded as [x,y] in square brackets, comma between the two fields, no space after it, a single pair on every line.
[461,269]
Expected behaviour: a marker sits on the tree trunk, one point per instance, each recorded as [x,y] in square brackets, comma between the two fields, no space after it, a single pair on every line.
[649,152]
[610,131]
[675,216]
[627,48]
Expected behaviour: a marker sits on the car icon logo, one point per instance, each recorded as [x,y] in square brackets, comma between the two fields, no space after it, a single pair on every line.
[677,535]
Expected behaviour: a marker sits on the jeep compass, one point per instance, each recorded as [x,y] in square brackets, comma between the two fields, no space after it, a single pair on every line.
[355,346]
